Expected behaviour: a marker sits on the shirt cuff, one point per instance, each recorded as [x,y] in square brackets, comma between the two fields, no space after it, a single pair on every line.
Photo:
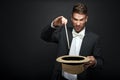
[52,25]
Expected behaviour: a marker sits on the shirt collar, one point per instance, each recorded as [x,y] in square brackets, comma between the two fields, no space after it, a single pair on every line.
[81,33]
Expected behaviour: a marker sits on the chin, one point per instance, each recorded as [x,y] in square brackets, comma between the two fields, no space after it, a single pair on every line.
[77,31]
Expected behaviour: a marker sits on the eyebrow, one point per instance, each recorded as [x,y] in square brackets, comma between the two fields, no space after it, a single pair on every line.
[74,18]
[77,19]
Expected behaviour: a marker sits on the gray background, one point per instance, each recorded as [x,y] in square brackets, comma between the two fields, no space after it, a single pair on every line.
[25,56]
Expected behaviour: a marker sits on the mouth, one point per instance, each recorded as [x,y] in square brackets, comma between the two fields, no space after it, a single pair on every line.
[77,28]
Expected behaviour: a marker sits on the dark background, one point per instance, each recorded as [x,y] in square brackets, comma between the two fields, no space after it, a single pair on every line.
[25,56]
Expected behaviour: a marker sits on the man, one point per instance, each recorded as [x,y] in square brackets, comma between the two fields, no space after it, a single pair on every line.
[82,42]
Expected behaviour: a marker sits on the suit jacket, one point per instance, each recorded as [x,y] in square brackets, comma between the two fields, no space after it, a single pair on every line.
[90,46]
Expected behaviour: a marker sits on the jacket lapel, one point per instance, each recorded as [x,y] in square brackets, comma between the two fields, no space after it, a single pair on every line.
[84,43]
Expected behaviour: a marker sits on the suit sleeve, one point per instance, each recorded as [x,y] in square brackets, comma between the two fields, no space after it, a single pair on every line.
[49,34]
[97,54]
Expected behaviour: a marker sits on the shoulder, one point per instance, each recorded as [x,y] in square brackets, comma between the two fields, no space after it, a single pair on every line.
[91,34]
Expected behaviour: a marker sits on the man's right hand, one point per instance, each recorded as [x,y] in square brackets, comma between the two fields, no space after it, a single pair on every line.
[60,21]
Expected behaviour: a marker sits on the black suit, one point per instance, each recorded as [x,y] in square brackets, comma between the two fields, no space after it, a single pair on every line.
[89,47]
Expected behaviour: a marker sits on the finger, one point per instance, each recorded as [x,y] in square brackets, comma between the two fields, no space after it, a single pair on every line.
[64,20]
[60,18]
[58,21]
[91,58]
[86,66]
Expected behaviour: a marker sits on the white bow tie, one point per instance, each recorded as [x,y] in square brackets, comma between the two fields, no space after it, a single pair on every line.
[78,35]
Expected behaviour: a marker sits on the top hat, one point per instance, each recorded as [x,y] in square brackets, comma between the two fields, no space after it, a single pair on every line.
[72,64]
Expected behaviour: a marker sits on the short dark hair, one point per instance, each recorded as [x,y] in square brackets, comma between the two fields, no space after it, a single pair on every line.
[80,8]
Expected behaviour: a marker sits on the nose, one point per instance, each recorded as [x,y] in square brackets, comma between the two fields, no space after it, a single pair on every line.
[78,23]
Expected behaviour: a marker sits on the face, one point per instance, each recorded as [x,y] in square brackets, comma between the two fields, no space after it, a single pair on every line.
[79,21]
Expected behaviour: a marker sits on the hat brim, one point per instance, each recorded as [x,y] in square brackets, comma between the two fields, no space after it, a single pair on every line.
[72,59]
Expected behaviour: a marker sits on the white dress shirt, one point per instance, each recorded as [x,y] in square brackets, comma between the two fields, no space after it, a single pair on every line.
[74,50]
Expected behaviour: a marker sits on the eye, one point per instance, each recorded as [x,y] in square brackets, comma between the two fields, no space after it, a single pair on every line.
[75,19]
[81,19]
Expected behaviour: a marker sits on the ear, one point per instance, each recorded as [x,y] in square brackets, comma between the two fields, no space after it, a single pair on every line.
[86,18]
